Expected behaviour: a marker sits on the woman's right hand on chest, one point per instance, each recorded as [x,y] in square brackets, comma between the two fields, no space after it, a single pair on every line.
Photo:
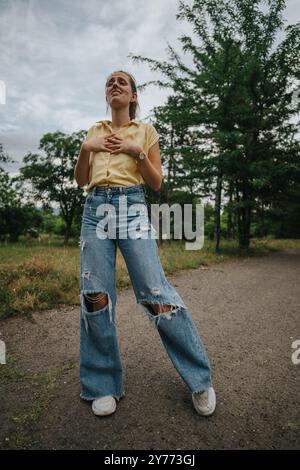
[98,143]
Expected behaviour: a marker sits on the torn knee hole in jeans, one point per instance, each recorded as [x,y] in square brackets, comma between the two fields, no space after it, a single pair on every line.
[157,310]
[95,301]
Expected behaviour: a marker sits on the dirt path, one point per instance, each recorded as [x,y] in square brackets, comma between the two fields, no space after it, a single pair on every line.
[247,312]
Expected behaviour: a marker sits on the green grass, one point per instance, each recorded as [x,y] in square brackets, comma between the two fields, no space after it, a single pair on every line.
[39,275]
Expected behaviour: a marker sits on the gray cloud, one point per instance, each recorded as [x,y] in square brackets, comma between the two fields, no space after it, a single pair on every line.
[55,57]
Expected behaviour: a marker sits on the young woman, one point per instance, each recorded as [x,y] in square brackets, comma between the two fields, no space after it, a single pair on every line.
[116,160]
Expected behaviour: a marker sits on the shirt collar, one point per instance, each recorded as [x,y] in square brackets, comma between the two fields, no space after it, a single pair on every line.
[107,122]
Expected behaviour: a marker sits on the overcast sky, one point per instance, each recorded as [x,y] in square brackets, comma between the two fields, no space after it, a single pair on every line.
[55,57]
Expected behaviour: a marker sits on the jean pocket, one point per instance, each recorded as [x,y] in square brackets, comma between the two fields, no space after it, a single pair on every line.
[89,198]
[136,198]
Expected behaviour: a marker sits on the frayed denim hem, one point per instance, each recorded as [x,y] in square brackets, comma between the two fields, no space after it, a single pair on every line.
[117,397]
[201,389]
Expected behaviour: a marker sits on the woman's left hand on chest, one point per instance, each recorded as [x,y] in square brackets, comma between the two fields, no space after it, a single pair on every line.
[117,144]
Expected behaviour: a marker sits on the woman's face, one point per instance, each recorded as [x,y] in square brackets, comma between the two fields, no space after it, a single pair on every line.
[118,90]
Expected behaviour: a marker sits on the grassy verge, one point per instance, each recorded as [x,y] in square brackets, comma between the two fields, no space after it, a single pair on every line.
[35,276]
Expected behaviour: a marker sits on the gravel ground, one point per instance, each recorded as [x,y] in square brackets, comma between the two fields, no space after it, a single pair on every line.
[247,313]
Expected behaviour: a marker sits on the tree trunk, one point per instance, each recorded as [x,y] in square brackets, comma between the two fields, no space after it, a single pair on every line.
[217,225]
[68,233]
[244,219]
[229,234]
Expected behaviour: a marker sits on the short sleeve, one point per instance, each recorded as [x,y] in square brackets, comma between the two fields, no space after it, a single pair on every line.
[89,133]
[152,136]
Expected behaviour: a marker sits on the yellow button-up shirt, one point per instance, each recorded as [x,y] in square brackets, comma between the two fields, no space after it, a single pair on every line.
[119,169]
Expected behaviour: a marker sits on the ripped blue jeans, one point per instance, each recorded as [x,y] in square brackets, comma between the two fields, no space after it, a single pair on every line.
[100,363]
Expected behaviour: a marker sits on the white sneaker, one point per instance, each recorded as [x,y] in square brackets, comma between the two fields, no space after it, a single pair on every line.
[104,406]
[205,402]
